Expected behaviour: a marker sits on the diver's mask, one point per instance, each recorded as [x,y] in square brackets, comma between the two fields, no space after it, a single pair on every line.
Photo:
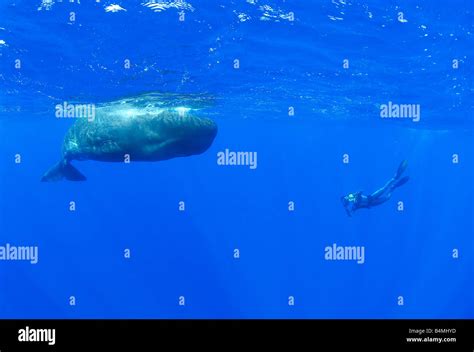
[350,198]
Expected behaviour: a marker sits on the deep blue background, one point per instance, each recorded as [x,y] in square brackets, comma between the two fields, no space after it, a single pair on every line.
[282,63]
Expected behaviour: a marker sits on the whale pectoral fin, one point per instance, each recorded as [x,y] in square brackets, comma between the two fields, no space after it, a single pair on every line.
[63,169]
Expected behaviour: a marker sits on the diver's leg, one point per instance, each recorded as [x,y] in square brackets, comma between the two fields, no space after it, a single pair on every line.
[402,167]
[400,182]
[382,190]
[379,200]
[384,193]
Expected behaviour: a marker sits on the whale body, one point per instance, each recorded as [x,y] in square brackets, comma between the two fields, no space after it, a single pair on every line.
[121,132]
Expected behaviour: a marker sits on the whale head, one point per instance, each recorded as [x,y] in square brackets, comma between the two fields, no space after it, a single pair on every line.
[198,137]
[184,133]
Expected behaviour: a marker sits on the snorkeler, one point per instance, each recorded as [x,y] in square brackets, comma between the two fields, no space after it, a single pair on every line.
[354,201]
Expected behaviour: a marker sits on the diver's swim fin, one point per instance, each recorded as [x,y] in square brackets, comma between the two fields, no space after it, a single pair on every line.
[402,167]
[63,169]
[400,182]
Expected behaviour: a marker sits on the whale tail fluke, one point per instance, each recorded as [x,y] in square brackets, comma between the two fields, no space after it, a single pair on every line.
[63,170]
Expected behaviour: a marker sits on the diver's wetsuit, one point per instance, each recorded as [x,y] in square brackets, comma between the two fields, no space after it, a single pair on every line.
[354,201]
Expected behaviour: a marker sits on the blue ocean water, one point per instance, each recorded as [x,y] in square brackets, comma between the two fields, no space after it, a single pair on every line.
[300,83]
